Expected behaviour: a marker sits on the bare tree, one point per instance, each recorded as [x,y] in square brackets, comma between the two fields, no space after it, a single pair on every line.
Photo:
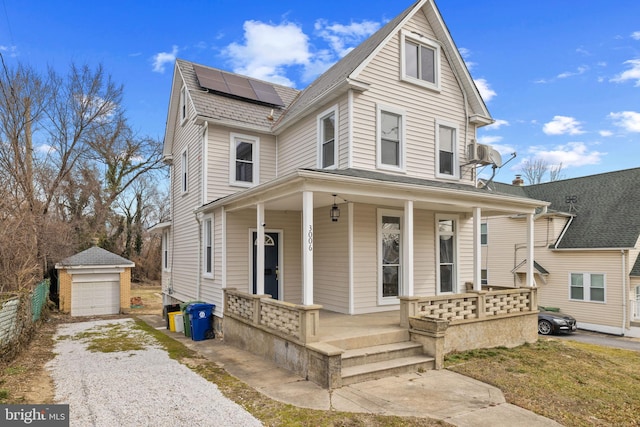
[555,172]
[534,170]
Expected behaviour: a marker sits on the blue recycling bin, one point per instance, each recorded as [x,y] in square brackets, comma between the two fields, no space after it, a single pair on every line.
[201,318]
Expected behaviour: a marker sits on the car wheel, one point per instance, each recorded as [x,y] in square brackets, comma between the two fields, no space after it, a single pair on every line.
[544,327]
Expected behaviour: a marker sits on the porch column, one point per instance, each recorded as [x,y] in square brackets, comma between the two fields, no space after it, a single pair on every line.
[530,252]
[407,250]
[259,249]
[477,249]
[307,248]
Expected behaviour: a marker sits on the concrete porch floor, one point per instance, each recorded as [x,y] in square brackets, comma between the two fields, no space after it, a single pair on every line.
[335,327]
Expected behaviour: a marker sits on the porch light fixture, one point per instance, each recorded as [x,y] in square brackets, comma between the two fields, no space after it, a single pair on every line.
[335,210]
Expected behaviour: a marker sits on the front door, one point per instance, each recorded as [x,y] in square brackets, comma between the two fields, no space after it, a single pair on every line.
[270,264]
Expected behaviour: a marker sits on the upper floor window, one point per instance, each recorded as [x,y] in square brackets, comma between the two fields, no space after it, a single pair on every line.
[244,160]
[390,146]
[587,287]
[184,172]
[328,148]
[207,252]
[446,150]
[183,103]
[165,251]
[420,60]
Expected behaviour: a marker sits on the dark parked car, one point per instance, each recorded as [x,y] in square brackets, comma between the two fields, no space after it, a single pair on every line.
[552,322]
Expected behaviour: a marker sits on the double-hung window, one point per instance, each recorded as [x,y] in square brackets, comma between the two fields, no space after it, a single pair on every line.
[446,229]
[327,142]
[165,251]
[446,150]
[420,60]
[484,236]
[390,144]
[207,250]
[184,172]
[244,160]
[587,287]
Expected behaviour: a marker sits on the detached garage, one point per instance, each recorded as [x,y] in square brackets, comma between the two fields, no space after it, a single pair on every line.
[94,282]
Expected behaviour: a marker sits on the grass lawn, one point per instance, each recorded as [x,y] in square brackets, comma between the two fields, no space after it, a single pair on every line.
[574,383]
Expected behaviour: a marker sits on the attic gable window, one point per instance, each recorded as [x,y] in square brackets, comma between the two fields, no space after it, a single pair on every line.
[327,139]
[244,160]
[183,104]
[420,60]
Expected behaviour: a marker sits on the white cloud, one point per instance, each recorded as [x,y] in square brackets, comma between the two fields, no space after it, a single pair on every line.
[632,74]
[635,35]
[489,139]
[496,125]
[343,38]
[627,120]
[160,60]
[580,70]
[605,133]
[562,125]
[485,90]
[570,155]
[267,49]
[11,50]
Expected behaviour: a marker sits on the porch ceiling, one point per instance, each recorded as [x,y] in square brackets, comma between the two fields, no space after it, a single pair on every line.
[376,189]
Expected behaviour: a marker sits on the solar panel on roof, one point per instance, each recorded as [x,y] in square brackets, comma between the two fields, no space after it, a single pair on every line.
[238,86]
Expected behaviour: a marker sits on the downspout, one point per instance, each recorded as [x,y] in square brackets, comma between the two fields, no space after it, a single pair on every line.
[200,253]
[625,294]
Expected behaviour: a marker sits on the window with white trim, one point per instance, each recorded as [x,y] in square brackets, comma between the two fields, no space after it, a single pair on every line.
[484,236]
[446,235]
[420,60]
[587,287]
[207,243]
[446,150]
[484,278]
[165,251]
[390,255]
[327,142]
[183,104]
[244,160]
[390,138]
[184,172]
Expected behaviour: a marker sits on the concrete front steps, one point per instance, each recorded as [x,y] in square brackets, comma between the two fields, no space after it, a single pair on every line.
[381,355]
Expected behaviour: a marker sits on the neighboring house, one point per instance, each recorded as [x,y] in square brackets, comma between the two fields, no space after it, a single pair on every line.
[350,195]
[586,249]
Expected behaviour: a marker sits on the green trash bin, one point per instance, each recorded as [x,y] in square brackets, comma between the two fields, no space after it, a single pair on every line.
[185,316]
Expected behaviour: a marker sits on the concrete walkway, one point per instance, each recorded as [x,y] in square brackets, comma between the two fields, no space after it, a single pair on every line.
[442,395]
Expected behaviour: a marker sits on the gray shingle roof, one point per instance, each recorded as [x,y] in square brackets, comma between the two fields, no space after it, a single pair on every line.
[95,256]
[605,208]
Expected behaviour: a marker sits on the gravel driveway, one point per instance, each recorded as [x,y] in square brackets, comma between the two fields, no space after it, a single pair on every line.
[133,387]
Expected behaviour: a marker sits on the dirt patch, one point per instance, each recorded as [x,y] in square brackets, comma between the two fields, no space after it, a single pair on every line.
[147,298]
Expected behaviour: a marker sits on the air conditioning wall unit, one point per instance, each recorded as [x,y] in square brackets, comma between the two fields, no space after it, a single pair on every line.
[479,153]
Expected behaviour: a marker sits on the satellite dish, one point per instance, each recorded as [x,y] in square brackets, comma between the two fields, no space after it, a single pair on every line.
[495,157]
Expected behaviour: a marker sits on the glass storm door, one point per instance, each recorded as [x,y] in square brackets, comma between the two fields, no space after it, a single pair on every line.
[270,264]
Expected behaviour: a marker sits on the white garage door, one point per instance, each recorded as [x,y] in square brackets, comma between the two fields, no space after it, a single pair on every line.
[95,294]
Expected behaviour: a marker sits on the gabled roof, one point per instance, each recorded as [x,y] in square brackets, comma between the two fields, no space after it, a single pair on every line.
[346,71]
[604,208]
[95,256]
[635,271]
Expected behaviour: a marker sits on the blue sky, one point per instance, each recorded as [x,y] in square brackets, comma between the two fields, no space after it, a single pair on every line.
[561,78]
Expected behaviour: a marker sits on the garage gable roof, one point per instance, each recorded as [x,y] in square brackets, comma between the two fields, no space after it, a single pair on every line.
[95,256]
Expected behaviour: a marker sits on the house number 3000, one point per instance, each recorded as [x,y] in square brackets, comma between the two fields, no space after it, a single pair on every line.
[310,238]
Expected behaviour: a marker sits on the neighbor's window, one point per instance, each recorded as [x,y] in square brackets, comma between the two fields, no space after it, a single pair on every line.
[390,150]
[446,147]
[587,287]
[483,234]
[420,60]
[244,161]
[208,246]
[184,171]
[327,139]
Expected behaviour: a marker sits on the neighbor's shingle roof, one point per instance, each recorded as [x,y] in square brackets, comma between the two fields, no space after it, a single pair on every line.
[95,256]
[211,105]
[605,208]
[635,271]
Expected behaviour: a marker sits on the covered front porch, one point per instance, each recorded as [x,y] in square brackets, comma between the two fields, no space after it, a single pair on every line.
[334,349]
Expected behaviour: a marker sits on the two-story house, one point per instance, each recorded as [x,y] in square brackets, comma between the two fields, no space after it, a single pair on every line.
[351,194]
[586,250]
